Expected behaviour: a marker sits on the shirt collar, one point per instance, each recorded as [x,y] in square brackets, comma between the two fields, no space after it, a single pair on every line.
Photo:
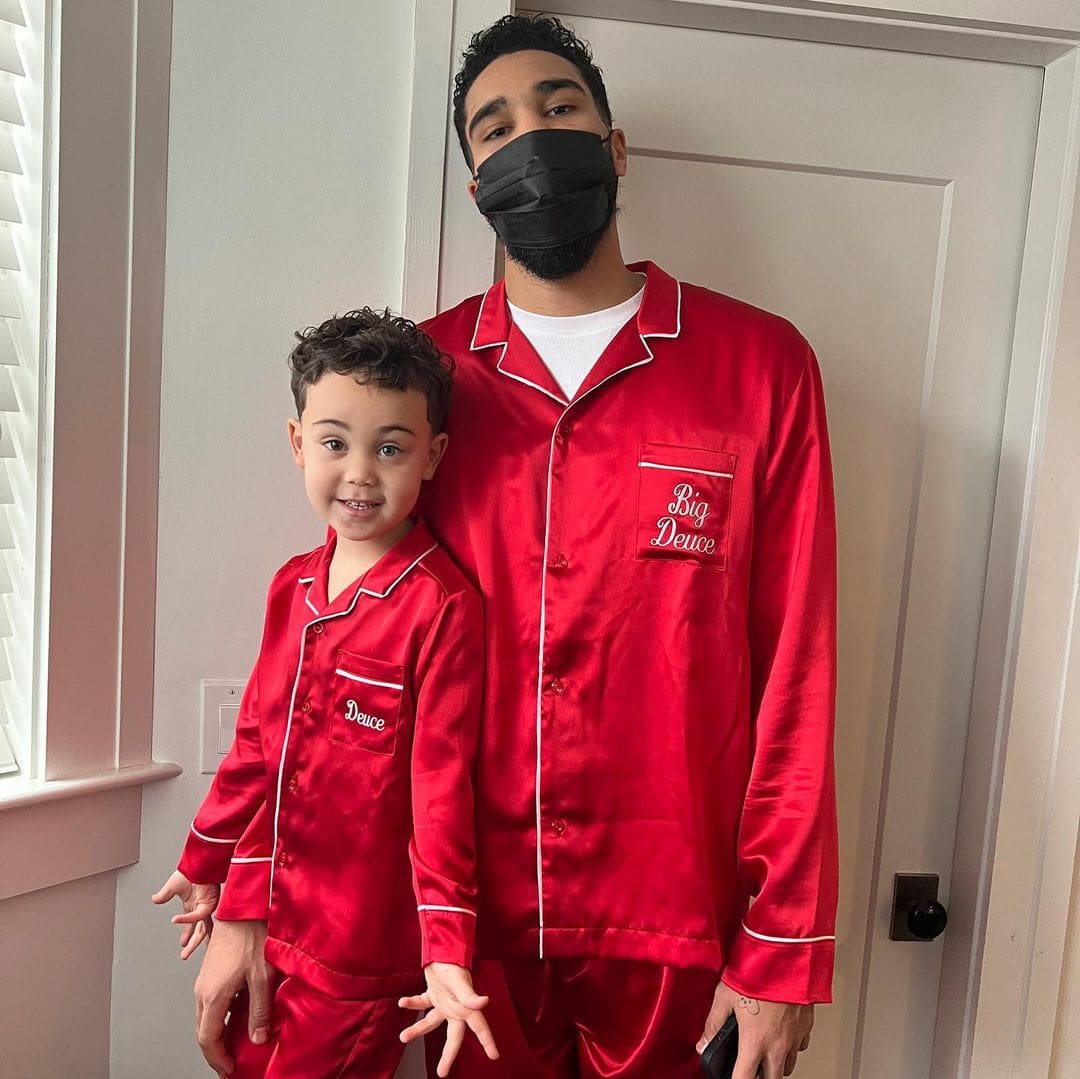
[398,562]
[378,582]
[658,316]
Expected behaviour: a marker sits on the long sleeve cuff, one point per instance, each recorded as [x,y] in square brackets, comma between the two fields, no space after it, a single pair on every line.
[447,935]
[205,859]
[246,894]
[789,970]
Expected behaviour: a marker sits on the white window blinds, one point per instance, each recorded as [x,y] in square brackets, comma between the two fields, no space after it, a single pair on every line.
[23,208]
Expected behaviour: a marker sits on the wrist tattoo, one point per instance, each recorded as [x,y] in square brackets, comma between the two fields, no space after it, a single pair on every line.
[749,1004]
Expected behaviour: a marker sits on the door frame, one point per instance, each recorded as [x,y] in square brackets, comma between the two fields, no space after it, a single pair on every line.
[1020,801]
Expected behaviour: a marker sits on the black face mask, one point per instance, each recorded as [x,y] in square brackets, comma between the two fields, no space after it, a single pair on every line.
[547,188]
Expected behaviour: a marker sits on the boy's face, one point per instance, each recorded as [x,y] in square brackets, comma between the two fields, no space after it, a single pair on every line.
[365,451]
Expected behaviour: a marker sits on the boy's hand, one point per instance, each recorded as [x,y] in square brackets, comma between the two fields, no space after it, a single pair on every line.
[452,1000]
[771,1035]
[199,902]
[234,958]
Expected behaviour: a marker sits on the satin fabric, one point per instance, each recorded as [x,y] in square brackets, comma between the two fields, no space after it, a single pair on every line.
[313,1036]
[345,803]
[656,744]
[588,1019]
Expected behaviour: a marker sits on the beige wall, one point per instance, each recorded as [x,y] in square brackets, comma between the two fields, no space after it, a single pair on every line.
[286,202]
[57,948]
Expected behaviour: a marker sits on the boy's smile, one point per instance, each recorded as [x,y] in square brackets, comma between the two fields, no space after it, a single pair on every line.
[365,450]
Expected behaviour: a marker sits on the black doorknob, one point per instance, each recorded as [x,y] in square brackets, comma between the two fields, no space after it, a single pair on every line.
[927,918]
[916,913]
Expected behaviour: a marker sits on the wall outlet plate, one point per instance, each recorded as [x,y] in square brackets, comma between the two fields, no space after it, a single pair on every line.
[219,708]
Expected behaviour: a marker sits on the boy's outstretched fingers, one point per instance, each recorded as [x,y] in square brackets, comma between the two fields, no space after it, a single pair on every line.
[202,907]
[193,936]
[452,1001]
[479,1026]
[176,887]
[424,1025]
[199,902]
[455,1035]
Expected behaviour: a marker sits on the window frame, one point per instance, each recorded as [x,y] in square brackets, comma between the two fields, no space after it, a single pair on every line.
[98,487]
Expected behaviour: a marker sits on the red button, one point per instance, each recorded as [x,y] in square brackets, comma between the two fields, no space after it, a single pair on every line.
[293,783]
[558,827]
[557,687]
[559,562]
[567,429]
[317,628]
[283,860]
[306,706]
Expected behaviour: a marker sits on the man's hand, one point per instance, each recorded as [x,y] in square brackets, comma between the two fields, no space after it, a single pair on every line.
[771,1036]
[199,902]
[234,958]
[452,1000]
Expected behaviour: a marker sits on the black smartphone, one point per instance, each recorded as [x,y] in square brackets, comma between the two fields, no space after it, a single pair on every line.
[718,1057]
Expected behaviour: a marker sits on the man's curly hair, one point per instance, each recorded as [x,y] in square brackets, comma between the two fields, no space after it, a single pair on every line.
[377,347]
[516,33]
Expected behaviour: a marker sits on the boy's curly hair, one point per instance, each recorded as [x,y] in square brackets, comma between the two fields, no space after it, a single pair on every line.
[516,33]
[378,347]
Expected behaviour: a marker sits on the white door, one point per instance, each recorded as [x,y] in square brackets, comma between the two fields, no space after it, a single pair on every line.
[879,200]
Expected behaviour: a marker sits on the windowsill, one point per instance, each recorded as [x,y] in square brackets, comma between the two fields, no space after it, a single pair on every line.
[16,791]
[58,830]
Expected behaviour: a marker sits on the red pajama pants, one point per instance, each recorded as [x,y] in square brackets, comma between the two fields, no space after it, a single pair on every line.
[313,1036]
[587,1019]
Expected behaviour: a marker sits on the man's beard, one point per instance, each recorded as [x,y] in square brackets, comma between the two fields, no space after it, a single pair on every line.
[555,263]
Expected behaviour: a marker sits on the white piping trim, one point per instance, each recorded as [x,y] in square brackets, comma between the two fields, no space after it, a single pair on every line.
[540,684]
[307,600]
[502,356]
[210,838]
[452,910]
[288,724]
[304,580]
[518,378]
[678,315]
[785,940]
[390,587]
[679,468]
[476,329]
[248,861]
[369,681]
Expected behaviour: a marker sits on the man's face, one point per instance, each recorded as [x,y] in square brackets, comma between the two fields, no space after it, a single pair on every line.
[527,91]
[524,91]
[365,451]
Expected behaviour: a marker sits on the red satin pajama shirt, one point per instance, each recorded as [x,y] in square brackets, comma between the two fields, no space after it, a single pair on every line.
[657,560]
[343,814]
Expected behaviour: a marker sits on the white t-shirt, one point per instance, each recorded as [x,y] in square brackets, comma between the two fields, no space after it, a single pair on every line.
[571,344]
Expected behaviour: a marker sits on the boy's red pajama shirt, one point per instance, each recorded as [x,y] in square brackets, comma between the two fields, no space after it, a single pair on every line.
[655,772]
[343,813]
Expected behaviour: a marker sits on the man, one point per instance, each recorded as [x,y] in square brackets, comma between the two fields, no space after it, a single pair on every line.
[640,485]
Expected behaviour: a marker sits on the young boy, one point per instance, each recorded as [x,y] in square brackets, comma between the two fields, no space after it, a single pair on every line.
[343,814]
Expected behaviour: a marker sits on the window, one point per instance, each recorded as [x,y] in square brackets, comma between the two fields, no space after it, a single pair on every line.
[23,210]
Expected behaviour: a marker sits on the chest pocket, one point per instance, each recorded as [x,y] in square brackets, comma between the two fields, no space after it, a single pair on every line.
[366,699]
[684,504]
